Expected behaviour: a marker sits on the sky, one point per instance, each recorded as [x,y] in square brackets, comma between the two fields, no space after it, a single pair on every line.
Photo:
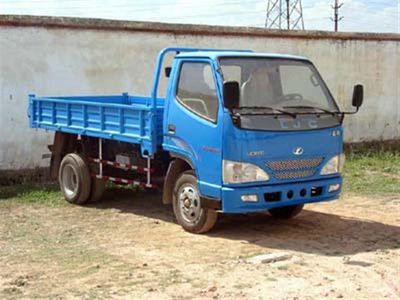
[358,15]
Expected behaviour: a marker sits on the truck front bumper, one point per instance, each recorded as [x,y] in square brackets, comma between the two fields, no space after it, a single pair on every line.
[279,195]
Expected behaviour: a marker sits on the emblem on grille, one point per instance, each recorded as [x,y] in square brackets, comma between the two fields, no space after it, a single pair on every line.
[298,151]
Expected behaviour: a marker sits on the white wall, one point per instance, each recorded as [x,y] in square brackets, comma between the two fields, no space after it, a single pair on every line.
[78,61]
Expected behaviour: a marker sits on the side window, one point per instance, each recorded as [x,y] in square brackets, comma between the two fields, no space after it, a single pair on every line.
[196,90]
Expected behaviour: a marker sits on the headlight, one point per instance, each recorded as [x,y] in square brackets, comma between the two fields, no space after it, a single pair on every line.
[334,165]
[236,172]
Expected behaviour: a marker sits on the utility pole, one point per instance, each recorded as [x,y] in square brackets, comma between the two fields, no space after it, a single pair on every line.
[336,18]
[288,14]
[284,14]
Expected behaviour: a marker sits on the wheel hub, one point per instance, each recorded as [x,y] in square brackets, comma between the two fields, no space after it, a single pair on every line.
[69,179]
[189,203]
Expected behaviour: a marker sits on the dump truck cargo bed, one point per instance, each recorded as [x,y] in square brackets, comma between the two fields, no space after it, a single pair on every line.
[124,118]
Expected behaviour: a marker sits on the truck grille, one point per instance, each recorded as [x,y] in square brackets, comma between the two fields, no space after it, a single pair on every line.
[293,169]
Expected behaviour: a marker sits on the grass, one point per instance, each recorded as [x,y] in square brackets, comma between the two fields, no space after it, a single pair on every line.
[367,172]
[47,194]
[375,172]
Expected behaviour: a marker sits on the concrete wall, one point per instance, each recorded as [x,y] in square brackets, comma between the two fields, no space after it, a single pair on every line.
[63,56]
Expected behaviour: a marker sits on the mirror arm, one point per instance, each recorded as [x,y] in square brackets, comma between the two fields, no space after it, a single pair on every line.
[350,112]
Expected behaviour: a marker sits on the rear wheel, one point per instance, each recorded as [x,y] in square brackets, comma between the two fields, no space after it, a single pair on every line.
[286,212]
[74,179]
[187,205]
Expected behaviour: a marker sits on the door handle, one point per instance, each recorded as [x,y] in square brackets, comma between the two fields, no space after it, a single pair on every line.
[171,129]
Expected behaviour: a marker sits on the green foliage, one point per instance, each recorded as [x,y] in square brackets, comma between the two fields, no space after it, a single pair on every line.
[47,194]
[373,172]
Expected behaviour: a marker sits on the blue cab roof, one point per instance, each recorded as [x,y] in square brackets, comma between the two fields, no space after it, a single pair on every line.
[234,53]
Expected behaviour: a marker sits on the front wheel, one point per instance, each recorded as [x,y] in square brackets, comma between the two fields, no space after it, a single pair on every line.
[187,205]
[286,212]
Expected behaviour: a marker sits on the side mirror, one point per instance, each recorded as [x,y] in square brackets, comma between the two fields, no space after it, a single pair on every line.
[231,94]
[358,95]
[167,71]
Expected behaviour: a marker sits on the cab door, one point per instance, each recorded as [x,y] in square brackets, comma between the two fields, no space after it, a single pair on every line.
[194,122]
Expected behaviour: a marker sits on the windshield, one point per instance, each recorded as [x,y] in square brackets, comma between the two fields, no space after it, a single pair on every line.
[280,87]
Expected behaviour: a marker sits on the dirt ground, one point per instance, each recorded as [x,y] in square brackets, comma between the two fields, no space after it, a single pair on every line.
[128,246]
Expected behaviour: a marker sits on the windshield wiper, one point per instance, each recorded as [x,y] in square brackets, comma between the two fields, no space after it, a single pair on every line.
[284,112]
[313,107]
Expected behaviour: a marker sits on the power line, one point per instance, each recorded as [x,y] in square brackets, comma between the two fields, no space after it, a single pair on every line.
[336,17]
[284,14]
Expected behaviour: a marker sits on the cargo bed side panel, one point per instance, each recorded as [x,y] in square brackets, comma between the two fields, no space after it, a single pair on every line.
[125,120]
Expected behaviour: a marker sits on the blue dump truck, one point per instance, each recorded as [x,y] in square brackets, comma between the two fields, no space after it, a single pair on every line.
[237,132]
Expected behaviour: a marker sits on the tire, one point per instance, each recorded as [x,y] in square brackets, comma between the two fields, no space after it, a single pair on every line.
[187,205]
[74,179]
[97,189]
[286,212]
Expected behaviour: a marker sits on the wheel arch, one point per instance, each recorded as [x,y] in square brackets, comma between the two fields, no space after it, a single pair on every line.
[63,143]
[176,167]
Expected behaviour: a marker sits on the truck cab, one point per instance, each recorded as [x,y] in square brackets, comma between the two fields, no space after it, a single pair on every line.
[261,132]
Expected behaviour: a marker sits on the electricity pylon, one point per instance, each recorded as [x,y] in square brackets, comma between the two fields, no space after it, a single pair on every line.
[284,14]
